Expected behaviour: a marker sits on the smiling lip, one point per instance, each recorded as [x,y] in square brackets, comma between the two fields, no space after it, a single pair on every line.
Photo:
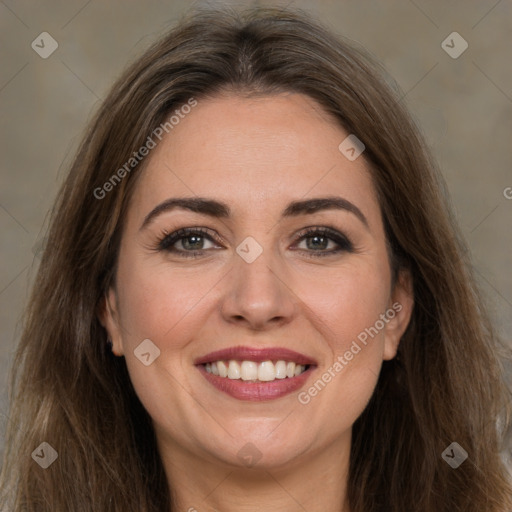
[256,391]
[257,355]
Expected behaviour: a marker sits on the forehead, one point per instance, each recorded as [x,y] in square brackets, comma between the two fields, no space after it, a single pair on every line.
[255,154]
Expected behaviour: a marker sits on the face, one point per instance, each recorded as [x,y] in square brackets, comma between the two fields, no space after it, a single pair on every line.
[291,293]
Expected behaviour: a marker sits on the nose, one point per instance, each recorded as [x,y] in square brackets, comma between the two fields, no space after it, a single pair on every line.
[257,295]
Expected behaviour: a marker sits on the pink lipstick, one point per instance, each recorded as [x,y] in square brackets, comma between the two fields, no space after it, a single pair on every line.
[256,374]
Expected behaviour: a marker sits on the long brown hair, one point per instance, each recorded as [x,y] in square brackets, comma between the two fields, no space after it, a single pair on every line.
[68,390]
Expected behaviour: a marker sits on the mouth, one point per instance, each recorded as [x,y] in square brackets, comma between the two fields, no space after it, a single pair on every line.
[251,371]
[256,374]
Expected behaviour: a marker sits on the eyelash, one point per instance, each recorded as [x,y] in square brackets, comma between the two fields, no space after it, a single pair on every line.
[166,242]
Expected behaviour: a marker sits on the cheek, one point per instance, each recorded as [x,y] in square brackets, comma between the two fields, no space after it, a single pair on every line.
[156,300]
[164,306]
[351,306]
[349,302]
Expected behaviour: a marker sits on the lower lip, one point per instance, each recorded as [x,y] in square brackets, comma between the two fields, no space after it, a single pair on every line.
[256,391]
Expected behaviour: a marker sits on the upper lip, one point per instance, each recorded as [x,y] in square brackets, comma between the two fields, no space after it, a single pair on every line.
[255,354]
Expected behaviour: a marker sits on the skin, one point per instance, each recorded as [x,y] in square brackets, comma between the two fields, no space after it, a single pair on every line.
[255,154]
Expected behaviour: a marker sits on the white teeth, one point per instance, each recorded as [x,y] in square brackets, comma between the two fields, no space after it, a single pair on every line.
[223,369]
[233,370]
[265,371]
[281,370]
[249,370]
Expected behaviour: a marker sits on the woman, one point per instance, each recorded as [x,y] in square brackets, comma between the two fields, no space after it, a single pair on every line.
[253,297]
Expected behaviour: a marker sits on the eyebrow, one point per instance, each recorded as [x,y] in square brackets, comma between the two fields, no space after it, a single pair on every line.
[218,209]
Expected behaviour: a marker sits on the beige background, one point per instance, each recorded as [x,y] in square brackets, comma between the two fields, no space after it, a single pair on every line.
[464,106]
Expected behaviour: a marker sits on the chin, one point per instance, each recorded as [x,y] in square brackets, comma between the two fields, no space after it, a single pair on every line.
[260,452]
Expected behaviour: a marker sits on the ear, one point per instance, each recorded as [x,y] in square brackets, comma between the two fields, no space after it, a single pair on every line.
[109,318]
[399,313]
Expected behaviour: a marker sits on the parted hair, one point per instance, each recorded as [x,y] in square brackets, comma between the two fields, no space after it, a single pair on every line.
[445,385]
